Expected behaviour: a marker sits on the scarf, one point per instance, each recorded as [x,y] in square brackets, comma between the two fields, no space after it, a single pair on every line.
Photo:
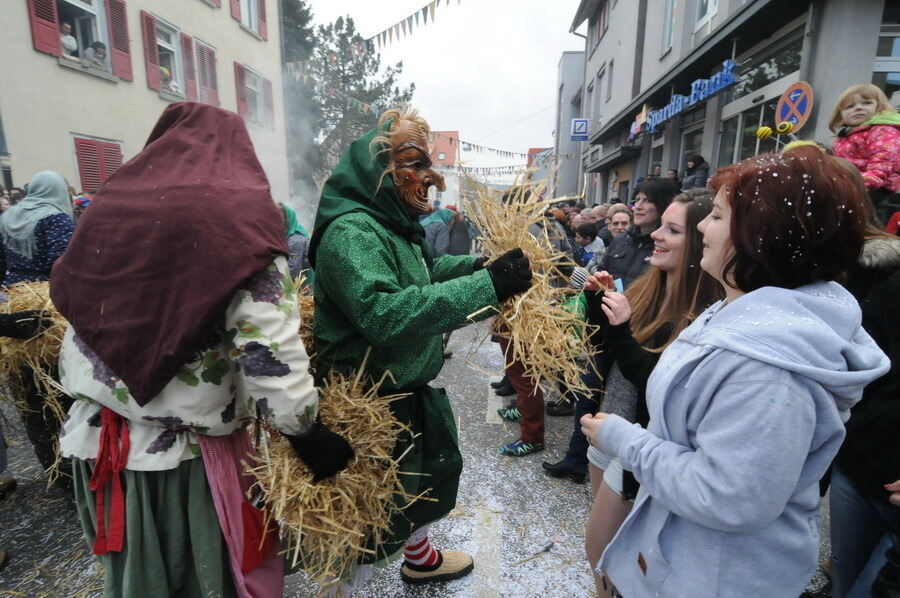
[882,118]
[169,239]
[48,194]
[354,187]
[292,226]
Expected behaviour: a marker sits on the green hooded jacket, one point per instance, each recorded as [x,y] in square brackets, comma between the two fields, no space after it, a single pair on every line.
[377,287]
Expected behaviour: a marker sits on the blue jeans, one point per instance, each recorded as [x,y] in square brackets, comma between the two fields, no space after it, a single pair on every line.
[860,537]
[576,455]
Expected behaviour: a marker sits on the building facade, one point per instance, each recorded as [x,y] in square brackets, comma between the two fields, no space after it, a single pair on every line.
[569,79]
[445,157]
[665,79]
[84,81]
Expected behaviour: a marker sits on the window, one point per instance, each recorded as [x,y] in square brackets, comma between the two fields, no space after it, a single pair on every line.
[739,139]
[442,156]
[168,45]
[254,93]
[598,95]
[92,33]
[886,72]
[668,37]
[251,14]
[778,61]
[609,80]
[600,24]
[207,80]
[96,160]
[705,11]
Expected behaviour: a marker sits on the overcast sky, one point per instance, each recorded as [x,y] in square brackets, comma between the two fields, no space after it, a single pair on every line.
[486,68]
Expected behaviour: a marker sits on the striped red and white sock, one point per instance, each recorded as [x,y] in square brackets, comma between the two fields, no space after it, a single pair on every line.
[420,552]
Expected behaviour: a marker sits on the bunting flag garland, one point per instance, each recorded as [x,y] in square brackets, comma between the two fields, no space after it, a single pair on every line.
[405,25]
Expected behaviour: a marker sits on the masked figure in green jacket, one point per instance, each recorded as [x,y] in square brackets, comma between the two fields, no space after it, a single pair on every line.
[378,286]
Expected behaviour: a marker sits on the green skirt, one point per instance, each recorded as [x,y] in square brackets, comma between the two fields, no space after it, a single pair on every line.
[173,543]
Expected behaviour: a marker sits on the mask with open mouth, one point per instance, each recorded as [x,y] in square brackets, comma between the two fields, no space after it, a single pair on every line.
[410,163]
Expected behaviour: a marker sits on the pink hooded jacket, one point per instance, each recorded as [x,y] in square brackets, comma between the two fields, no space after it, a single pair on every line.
[874,149]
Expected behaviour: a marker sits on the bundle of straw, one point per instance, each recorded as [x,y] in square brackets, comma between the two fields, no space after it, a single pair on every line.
[37,353]
[544,336]
[306,303]
[328,527]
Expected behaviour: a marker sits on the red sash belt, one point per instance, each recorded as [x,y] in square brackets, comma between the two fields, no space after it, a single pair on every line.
[111,459]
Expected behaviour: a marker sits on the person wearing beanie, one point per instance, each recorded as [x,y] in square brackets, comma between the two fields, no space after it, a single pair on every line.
[628,255]
[697,172]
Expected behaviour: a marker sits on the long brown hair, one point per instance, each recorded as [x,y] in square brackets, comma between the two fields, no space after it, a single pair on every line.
[693,289]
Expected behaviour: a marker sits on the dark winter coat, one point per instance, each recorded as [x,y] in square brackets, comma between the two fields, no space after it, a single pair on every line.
[628,256]
[870,455]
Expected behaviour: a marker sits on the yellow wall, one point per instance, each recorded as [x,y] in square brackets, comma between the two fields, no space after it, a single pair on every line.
[43,104]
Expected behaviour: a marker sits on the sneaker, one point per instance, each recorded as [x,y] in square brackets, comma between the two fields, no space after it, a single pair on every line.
[509,414]
[447,353]
[519,448]
[452,565]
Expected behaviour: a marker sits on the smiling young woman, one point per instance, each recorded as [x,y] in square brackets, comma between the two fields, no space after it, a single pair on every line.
[748,402]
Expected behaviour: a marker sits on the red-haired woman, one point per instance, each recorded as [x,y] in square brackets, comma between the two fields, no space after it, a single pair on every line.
[747,405]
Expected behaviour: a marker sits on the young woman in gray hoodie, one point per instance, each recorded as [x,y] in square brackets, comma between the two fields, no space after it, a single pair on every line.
[747,405]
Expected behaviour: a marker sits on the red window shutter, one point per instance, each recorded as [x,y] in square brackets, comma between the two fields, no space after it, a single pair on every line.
[263,30]
[120,49]
[218,3]
[151,52]
[44,26]
[240,85]
[111,158]
[236,9]
[190,73]
[209,83]
[270,103]
[90,169]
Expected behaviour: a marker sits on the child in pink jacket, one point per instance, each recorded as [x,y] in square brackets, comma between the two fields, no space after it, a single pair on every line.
[868,134]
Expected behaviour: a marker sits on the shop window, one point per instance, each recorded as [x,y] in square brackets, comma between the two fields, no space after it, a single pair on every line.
[97,161]
[739,139]
[886,72]
[691,143]
[254,93]
[93,33]
[251,14]
[668,37]
[778,62]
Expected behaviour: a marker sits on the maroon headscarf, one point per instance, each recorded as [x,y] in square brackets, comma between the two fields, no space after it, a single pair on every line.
[168,241]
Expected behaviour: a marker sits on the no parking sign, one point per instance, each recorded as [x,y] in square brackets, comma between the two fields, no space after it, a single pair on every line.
[795,105]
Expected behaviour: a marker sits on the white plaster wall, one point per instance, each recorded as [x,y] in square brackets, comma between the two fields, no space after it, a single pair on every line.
[44,104]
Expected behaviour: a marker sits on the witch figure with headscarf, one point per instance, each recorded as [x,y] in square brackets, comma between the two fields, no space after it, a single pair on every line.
[378,286]
[34,234]
[183,329]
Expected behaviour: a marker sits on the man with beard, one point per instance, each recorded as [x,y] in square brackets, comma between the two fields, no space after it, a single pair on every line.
[378,286]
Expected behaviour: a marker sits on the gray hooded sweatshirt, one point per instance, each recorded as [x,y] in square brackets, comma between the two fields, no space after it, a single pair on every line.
[746,414]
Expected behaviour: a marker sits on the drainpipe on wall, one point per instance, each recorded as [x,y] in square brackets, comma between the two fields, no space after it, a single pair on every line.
[583,144]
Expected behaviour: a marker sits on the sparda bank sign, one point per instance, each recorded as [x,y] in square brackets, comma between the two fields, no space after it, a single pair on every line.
[701,89]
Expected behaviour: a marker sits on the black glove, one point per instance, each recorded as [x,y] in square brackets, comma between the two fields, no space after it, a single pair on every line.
[479,264]
[323,451]
[24,324]
[511,274]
